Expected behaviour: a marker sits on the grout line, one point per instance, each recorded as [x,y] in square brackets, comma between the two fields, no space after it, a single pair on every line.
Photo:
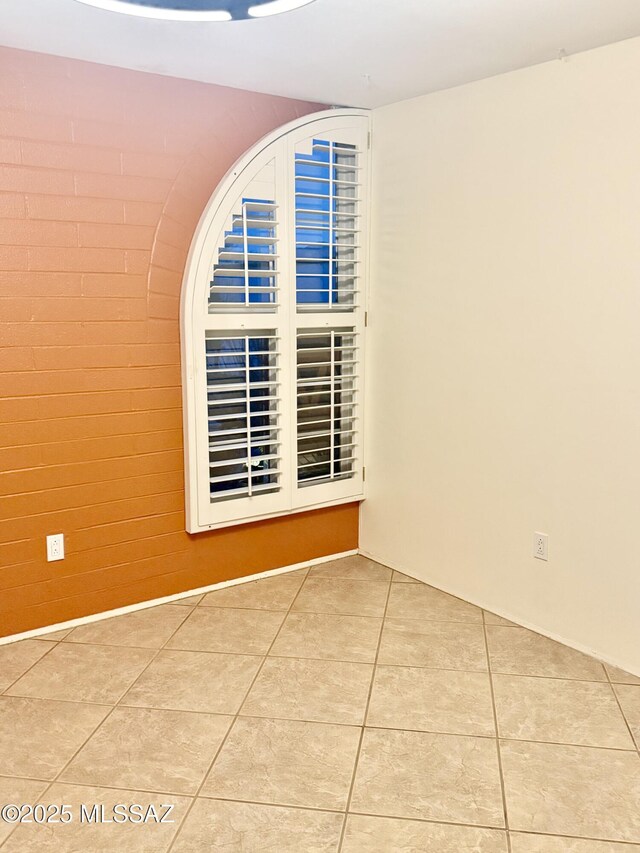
[317,577]
[235,717]
[335,660]
[391,664]
[632,844]
[497,739]
[565,743]
[370,662]
[548,677]
[418,620]
[65,701]
[296,806]
[364,721]
[430,820]
[624,716]
[501,829]
[123,704]
[24,778]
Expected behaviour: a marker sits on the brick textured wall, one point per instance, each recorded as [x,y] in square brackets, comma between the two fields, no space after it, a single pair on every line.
[103,176]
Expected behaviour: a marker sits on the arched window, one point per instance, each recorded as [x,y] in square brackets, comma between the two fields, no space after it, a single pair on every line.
[272,322]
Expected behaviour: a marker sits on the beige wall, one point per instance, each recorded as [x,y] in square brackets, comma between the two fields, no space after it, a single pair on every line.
[505,326]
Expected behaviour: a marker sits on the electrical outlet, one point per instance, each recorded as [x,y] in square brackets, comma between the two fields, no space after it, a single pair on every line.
[541,546]
[55,547]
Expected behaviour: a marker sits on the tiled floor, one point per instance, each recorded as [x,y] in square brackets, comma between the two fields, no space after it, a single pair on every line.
[341,708]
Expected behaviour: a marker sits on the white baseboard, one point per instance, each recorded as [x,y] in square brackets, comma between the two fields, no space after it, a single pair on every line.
[167,599]
[579,647]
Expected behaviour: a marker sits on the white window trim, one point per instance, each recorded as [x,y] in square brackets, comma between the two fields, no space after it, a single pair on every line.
[192,333]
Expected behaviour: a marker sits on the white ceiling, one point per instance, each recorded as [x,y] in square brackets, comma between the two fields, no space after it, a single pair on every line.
[347,52]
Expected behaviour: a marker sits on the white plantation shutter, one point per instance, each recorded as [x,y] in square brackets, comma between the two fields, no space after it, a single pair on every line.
[273,328]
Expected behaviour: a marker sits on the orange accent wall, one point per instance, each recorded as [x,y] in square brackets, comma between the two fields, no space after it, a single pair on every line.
[103,176]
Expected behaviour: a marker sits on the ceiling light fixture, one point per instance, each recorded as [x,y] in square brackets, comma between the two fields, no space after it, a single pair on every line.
[198,10]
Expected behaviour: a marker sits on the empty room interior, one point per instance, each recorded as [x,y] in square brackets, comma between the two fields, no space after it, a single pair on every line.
[320,426]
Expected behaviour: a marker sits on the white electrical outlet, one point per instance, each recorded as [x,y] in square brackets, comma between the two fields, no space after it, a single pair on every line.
[55,547]
[541,546]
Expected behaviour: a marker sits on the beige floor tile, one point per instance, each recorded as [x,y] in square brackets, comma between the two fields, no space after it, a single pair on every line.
[349,597]
[194,681]
[432,700]
[572,790]
[390,835]
[221,629]
[249,828]
[18,792]
[82,673]
[629,696]
[517,651]
[558,711]
[274,593]
[38,737]
[148,629]
[80,836]
[16,658]
[429,777]
[494,619]
[521,843]
[428,763]
[154,750]
[329,636]
[285,762]
[191,601]
[313,690]
[619,676]
[441,645]
[398,577]
[353,568]
[56,635]
[419,601]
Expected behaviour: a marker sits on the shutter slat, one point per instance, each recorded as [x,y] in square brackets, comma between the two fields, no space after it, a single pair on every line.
[313,212]
[308,481]
[244,475]
[237,220]
[326,448]
[320,383]
[224,447]
[315,179]
[236,461]
[258,257]
[238,387]
[325,228]
[338,198]
[245,492]
[228,272]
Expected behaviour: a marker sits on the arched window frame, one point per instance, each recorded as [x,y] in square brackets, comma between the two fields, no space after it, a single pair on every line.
[288,323]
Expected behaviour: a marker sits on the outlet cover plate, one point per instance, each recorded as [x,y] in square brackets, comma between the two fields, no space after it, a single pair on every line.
[541,546]
[55,547]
